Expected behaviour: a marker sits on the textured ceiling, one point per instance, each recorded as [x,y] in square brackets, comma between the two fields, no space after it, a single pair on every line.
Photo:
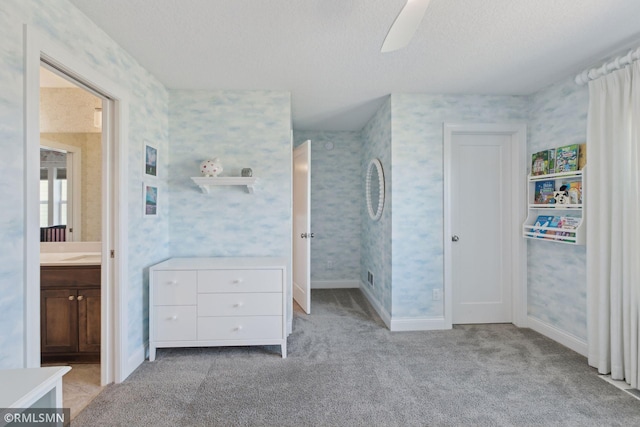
[327,52]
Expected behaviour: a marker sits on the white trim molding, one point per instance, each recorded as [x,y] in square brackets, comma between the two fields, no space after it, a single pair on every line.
[335,284]
[518,131]
[418,324]
[403,323]
[566,339]
[384,314]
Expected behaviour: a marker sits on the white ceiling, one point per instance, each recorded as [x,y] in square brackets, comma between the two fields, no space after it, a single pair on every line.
[327,52]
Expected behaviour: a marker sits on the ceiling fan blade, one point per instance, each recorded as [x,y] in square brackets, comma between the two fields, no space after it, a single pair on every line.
[405,25]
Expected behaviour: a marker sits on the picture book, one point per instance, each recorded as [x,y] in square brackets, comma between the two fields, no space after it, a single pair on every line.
[556,222]
[567,158]
[542,221]
[582,156]
[540,163]
[552,160]
[543,192]
[570,222]
[575,191]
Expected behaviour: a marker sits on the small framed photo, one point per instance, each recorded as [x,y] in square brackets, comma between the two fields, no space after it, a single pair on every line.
[150,198]
[150,160]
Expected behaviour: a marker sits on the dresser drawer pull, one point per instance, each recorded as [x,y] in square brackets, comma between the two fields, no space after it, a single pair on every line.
[238,328]
[237,281]
[238,304]
[172,282]
[174,317]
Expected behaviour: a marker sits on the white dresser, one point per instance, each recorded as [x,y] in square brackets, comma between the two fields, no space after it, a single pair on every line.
[202,302]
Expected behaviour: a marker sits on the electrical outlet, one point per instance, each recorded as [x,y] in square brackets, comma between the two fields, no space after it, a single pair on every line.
[437,295]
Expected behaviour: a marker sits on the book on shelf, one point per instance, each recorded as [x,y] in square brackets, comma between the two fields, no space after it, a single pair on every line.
[574,188]
[542,221]
[571,222]
[543,192]
[582,156]
[567,158]
[542,162]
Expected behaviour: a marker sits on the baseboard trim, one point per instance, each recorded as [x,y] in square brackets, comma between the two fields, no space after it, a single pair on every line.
[135,360]
[335,284]
[418,324]
[384,315]
[566,339]
[402,324]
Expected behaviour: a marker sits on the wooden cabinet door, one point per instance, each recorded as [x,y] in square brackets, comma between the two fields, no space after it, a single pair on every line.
[89,320]
[58,321]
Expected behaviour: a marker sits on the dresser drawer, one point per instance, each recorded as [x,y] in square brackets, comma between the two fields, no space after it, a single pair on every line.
[257,304]
[225,281]
[174,288]
[175,323]
[240,328]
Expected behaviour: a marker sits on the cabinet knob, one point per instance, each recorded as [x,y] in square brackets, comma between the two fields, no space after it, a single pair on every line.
[174,317]
[80,297]
[172,282]
[455,238]
[237,281]
[238,304]
[238,328]
[71,297]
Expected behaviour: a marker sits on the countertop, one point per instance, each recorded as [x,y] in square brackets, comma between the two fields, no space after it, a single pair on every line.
[70,258]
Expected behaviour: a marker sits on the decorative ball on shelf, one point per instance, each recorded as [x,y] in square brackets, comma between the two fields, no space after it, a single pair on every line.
[211,168]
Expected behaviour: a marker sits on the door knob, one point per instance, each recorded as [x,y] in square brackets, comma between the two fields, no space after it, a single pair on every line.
[454,238]
[303,235]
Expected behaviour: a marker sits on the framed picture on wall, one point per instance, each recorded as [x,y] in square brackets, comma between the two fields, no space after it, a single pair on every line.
[150,200]
[150,160]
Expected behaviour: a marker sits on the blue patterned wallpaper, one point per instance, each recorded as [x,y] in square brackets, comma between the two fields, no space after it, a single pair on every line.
[375,247]
[243,129]
[336,199]
[557,282]
[64,23]
[417,155]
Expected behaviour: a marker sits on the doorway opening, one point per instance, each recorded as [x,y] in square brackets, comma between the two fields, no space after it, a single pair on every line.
[71,176]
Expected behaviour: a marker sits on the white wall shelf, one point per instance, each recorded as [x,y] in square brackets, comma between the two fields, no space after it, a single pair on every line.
[572,236]
[205,183]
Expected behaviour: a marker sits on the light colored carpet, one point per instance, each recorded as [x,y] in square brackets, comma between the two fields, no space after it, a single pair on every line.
[346,369]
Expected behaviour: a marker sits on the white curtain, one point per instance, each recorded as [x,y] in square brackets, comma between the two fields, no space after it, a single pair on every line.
[612,197]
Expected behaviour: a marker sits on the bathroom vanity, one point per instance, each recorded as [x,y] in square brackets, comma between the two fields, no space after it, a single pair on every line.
[70,308]
[200,302]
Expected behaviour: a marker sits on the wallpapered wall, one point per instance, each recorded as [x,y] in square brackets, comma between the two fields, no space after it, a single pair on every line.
[148,240]
[375,246]
[336,199]
[417,155]
[557,284]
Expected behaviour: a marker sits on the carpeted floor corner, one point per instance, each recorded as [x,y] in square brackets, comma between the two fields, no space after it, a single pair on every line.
[344,368]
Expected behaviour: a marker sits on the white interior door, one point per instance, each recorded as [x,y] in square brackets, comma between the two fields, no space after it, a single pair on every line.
[302,226]
[481,226]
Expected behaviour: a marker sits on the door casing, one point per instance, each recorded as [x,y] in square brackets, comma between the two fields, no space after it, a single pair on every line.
[518,170]
[115,364]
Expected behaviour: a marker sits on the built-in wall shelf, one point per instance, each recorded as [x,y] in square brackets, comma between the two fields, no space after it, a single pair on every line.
[205,183]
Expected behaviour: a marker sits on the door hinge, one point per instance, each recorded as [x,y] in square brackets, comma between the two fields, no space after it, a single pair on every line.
[112,253]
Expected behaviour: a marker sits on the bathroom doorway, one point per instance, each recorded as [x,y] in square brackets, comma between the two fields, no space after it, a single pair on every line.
[71,164]
[115,361]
